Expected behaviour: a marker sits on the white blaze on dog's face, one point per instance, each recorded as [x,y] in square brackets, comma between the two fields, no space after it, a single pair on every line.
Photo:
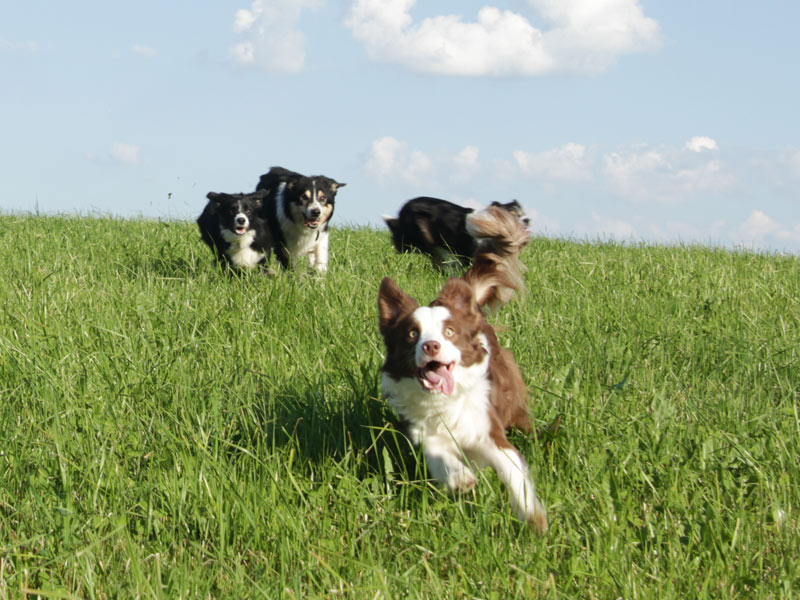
[435,355]
[315,204]
[240,220]
[312,200]
[236,213]
[435,345]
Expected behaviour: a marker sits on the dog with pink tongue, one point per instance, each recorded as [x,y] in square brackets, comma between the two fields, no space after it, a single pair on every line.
[446,375]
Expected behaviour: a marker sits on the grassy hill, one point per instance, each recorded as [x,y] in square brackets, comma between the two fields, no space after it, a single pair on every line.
[167,431]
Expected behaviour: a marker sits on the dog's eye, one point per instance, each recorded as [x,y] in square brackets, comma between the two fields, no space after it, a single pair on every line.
[413,334]
[449,331]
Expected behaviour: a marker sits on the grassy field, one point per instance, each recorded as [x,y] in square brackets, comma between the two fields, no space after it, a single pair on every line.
[167,431]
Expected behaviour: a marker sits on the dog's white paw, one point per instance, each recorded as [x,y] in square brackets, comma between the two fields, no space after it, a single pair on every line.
[461,480]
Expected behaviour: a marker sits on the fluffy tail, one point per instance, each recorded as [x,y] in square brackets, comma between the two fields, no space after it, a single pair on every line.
[496,272]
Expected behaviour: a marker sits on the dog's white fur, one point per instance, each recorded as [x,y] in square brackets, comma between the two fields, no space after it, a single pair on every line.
[300,240]
[239,251]
[453,430]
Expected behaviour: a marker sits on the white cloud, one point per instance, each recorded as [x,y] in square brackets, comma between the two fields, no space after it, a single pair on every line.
[144,51]
[590,35]
[586,36]
[569,162]
[467,158]
[700,143]
[706,176]
[664,174]
[392,159]
[8,45]
[465,164]
[271,39]
[541,223]
[125,153]
[610,227]
[759,230]
[758,225]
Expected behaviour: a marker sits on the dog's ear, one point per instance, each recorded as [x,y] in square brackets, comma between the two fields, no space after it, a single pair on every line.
[458,295]
[258,198]
[393,303]
[215,197]
[335,185]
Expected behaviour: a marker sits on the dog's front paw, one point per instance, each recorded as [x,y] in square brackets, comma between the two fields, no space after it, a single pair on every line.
[538,519]
[462,480]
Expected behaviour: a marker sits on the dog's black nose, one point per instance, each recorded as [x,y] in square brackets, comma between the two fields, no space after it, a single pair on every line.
[241,220]
[314,213]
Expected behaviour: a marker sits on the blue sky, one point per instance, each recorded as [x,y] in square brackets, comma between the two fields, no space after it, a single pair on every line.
[638,120]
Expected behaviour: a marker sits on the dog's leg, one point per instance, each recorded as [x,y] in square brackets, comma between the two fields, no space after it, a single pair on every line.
[318,258]
[446,464]
[445,261]
[513,472]
[282,255]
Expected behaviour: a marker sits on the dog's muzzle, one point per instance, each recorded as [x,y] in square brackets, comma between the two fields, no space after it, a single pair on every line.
[240,223]
[312,218]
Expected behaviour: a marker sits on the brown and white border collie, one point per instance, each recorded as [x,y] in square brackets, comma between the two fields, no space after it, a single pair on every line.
[447,376]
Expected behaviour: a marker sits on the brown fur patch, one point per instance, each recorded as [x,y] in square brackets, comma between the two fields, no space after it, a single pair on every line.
[508,396]
[327,211]
[466,320]
[425,230]
[395,308]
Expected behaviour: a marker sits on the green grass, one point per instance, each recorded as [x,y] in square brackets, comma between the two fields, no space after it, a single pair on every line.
[167,431]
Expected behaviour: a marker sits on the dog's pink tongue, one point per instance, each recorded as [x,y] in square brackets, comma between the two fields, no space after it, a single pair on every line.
[441,378]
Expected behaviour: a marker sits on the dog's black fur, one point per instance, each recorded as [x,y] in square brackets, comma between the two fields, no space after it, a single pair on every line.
[232,227]
[438,228]
[298,210]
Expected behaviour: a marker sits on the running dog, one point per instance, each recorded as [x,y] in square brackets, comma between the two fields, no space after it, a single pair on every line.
[446,375]
[439,228]
[231,226]
[297,210]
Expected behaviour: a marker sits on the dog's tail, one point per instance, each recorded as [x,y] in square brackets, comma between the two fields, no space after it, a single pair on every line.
[496,272]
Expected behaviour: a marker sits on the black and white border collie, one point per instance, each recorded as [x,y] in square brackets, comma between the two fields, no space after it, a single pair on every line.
[448,378]
[231,226]
[298,210]
[438,227]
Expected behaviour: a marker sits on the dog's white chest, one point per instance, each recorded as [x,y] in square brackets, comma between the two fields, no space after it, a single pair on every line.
[240,251]
[462,416]
[300,240]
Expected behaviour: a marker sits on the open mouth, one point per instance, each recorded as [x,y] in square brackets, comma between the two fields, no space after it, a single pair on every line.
[311,223]
[437,377]
[240,230]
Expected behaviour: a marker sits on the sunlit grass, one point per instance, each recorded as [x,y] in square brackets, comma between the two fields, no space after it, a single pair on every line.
[169,431]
